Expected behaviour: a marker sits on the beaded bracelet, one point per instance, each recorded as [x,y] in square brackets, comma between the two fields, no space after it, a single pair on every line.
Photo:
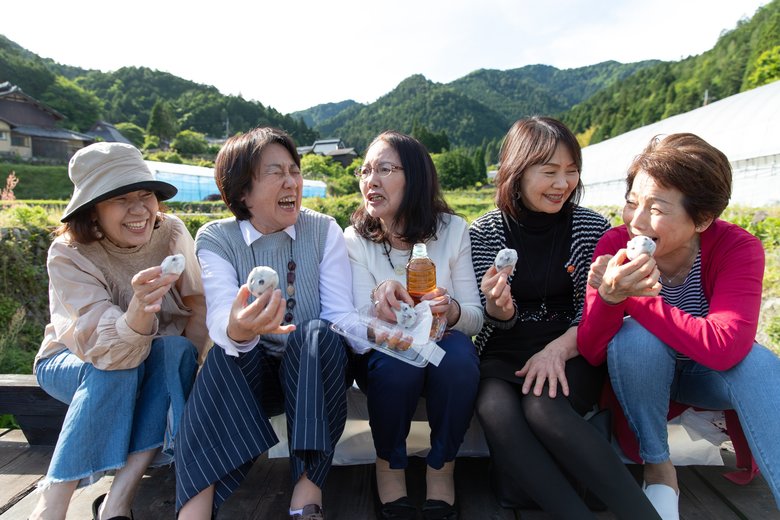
[373,292]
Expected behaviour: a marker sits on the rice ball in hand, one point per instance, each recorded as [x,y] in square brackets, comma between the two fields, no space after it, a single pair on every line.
[405,316]
[173,264]
[506,258]
[262,279]
[638,245]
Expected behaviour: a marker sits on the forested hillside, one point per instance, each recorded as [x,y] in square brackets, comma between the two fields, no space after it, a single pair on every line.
[744,58]
[597,101]
[477,107]
[541,89]
[127,95]
[437,106]
[320,113]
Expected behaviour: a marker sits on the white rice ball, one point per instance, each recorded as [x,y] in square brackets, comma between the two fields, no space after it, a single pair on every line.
[638,245]
[506,258]
[173,264]
[405,316]
[261,279]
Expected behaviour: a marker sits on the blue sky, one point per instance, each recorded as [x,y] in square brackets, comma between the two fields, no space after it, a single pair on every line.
[296,54]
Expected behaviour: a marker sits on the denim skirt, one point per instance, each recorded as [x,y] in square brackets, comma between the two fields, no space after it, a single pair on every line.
[113,413]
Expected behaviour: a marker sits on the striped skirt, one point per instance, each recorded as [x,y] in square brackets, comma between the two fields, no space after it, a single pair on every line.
[225,425]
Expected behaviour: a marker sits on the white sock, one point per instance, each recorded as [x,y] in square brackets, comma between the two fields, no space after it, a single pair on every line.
[296,512]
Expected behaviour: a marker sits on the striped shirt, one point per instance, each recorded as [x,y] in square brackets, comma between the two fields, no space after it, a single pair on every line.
[688,296]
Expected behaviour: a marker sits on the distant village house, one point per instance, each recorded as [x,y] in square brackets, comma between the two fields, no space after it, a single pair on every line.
[334,148]
[28,128]
[105,131]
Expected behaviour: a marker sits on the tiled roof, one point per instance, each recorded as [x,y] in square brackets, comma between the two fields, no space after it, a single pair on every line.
[52,133]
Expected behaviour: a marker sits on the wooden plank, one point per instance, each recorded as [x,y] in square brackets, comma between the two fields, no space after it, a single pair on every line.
[752,501]
[349,492]
[39,415]
[156,496]
[80,506]
[12,444]
[265,493]
[697,500]
[22,471]
[21,394]
[14,380]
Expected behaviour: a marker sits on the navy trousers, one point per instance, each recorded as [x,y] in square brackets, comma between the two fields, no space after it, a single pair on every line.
[225,426]
[393,389]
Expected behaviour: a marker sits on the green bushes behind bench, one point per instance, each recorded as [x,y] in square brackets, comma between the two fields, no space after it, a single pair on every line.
[25,237]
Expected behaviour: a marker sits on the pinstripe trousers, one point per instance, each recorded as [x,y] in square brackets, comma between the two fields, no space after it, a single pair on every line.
[225,426]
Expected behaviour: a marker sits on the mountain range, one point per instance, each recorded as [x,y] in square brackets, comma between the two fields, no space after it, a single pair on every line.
[597,101]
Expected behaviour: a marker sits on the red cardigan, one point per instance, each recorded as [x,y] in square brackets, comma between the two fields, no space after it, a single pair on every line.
[732,268]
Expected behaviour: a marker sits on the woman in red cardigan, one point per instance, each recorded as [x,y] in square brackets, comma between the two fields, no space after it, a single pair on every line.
[679,325]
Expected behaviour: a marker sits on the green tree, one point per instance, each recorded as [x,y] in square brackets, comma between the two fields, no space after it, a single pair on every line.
[480,168]
[767,68]
[455,169]
[340,181]
[188,142]
[162,122]
[80,107]
[133,132]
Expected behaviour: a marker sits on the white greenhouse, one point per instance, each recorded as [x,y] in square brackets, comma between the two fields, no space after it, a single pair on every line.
[197,183]
[746,127]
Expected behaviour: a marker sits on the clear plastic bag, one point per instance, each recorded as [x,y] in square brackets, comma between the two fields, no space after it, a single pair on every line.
[412,345]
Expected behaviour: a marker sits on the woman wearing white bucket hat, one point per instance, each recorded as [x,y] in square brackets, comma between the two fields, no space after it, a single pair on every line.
[124,338]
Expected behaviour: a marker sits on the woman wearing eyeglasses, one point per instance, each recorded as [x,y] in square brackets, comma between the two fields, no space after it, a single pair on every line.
[275,352]
[403,205]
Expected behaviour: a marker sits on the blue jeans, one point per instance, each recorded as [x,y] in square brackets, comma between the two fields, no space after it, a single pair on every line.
[646,375]
[113,413]
[393,389]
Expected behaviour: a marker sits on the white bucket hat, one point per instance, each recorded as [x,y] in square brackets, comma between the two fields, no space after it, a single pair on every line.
[104,170]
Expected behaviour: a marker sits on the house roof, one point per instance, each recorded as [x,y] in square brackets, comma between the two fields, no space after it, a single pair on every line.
[52,133]
[10,91]
[342,151]
[303,150]
[108,132]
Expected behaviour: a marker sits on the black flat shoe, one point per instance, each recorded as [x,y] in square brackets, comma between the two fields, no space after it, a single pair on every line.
[399,509]
[439,510]
[96,510]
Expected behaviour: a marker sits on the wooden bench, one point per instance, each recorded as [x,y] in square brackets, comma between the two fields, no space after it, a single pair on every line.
[39,415]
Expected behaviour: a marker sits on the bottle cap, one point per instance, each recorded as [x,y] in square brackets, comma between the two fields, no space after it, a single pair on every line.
[419,251]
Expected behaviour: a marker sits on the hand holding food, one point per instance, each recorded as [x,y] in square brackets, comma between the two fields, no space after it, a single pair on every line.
[638,245]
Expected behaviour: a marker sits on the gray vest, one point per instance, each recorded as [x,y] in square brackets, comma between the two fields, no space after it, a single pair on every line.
[223,237]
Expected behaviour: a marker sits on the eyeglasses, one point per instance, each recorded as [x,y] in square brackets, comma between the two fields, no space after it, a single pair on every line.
[383,170]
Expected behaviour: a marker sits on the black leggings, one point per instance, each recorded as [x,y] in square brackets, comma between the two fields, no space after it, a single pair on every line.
[531,438]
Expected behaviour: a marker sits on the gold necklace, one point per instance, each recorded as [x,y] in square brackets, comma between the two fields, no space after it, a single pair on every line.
[686,268]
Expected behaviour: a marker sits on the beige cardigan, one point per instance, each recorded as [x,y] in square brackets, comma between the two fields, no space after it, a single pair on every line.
[90,290]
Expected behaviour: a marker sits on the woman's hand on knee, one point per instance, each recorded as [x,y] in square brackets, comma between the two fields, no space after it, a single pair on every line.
[546,366]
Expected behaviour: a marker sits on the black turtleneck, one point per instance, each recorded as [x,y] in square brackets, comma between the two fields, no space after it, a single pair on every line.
[543,243]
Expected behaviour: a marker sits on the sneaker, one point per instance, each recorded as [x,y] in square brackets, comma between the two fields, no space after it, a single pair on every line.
[665,500]
[310,512]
